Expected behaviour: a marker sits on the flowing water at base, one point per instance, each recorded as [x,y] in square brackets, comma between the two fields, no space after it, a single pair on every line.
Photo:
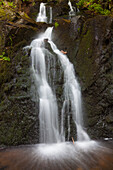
[88,155]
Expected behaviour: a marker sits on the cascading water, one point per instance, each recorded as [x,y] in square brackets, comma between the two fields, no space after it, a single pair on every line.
[50,21]
[71,12]
[42,14]
[48,109]
[72,94]
[70,5]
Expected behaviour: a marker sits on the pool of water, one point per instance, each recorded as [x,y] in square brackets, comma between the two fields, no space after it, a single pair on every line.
[89,155]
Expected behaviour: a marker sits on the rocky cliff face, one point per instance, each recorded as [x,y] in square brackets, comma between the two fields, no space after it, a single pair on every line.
[18,114]
[94,65]
[89,44]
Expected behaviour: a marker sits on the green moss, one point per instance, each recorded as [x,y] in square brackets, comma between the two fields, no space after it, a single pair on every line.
[11,134]
[85,58]
[6,14]
[5,72]
[2,13]
[92,121]
[56,24]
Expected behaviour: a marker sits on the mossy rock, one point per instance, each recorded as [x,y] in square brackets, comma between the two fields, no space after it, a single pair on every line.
[6,14]
[85,65]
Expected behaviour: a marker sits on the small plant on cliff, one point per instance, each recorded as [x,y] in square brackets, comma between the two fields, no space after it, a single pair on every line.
[56,24]
[3,57]
[6,4]
[96,7]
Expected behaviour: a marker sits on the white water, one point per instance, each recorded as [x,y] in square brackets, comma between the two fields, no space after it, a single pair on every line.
[72,12]
[42,14]
[72,95]
[70,5]
[50,21]
[48,109]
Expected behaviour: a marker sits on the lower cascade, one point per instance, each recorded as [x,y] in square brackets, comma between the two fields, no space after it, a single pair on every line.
[51,131]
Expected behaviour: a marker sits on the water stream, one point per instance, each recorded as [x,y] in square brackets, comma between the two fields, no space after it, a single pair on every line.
[42,14]
[72,93]
[51,16]
[48,108]
[72,11]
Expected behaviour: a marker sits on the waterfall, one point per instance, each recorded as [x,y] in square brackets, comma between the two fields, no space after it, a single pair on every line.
[70,5]
[72,95]
[50,21]
[48,109]
[71,12]
[42,14]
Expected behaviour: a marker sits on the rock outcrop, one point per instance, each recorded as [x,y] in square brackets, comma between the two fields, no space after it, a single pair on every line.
[94,65]
[18,115]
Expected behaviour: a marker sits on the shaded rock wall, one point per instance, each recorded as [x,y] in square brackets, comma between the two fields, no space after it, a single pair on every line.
[94,65]
[18,113]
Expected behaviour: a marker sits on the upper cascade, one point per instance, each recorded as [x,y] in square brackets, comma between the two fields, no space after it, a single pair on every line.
[42,14]
[72,11]
[42,17]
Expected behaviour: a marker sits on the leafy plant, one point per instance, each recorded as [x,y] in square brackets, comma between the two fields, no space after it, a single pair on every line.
[1,4]
[56,24]
[94,6]
[3,57]
[6,4]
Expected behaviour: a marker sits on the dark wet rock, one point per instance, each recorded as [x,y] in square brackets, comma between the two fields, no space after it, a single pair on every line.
[61,9]
[18,114]
[94,65]
[68,39]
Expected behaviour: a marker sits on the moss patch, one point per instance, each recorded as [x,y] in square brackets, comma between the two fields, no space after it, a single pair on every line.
[85,58]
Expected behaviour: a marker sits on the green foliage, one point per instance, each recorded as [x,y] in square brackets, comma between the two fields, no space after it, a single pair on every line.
[94,6]
[56,24]
[33,3]
[1,4]
[7,4]
[11,40]
[3,57]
